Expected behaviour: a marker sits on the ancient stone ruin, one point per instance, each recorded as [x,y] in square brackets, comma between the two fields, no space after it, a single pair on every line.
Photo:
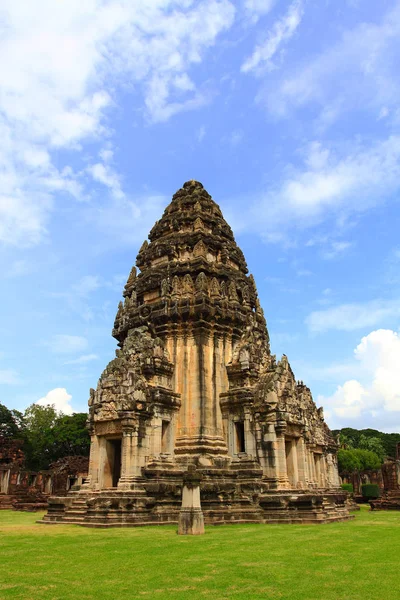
[194,388]
[390,498]
[21,489]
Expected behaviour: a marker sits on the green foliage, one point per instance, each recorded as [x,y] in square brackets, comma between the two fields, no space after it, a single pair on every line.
[370,490]
[348,487]
[38,418]
[348,461]
[71,437]
[47,434]
[346,442]
[11,423]
[374,444]
[51,435]
[39,436]
[383,444]
[357,460]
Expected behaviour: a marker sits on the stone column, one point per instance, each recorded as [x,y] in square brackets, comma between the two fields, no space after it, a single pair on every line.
[291,463]
[5,478]
[267,451]
[330,472]
[130,464]
[249,441]
[191,519]
[92,480]
[156,435]
[311,468]
[283,481]
[301,464]
[317,462]
[323,471]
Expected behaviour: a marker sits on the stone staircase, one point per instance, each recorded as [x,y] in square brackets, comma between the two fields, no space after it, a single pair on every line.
[75,513]
[333,512]
[71,509]
[6,502]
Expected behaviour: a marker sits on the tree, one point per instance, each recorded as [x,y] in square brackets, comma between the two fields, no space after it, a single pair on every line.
[357,459]
[11,423]
[345,441]
[71,437]
[367,439]
[51,435]
[348,461]
[39,436]
[374,444]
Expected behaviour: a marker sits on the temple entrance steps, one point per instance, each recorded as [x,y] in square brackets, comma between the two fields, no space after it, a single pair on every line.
[71,509]
[6,502]
[76,512]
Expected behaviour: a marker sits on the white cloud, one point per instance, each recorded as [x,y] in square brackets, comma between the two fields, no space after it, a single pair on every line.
[234,138]
[337,248]
[281,32]
[255,9]
[303,273]
[378,355]
[128,221]
[350,317]
[18,268]
[85,358]
[359,71]
[325,374]
[9,377]
[201,132]
[60,64]
[331,183]
[104,174]
[67,344]
[77,295]
[59,398]
[85,286]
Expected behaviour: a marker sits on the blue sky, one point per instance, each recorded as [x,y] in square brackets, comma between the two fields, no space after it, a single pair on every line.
[288,112]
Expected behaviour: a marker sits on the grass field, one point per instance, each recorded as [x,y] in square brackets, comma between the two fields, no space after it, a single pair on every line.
[355,560]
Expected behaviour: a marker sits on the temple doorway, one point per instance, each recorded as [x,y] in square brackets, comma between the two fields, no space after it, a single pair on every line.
[112,463]
[116,470]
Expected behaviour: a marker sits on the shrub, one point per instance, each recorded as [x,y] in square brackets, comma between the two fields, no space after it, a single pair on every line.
[370,490]
[348,487]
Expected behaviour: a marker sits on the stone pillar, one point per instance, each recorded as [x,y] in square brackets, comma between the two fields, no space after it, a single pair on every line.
[156,433]
[323,471]
[335,477]
[331,472]
[92,480]
[311,468]
[5,478]
[301,464]
[317,462]
[283,481]
[130,464]
[291,463]
[191,519]
[250,443]
[267,451]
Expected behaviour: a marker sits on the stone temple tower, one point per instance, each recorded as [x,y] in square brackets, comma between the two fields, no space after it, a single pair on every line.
[194,385]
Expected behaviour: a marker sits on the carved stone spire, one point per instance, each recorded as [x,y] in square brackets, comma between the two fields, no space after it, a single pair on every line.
[194,384]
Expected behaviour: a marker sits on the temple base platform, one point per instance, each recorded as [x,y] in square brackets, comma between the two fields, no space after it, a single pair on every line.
[227,496]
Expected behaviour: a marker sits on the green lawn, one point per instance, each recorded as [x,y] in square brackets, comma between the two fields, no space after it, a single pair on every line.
[355,560]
